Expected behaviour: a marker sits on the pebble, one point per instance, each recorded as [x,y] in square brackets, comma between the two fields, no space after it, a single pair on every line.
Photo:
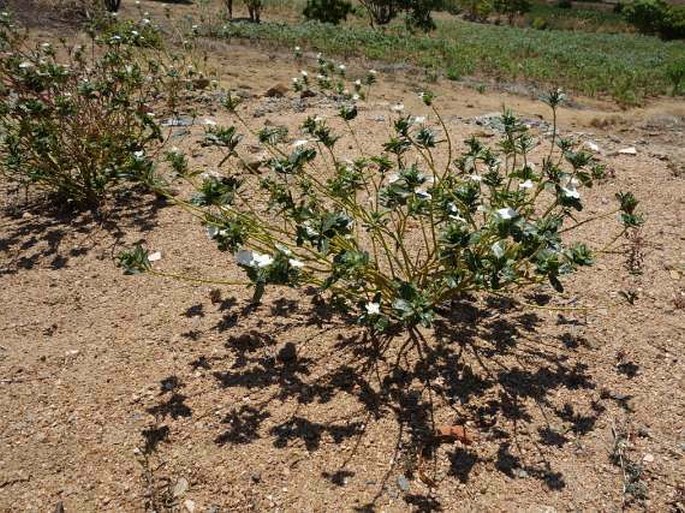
[403,483]
[189,506]
[181,487]
[627,151]
[648,458]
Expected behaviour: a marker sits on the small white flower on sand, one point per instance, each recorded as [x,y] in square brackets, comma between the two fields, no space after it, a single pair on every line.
[135,33]
[298,264]
[145,21]
[46,45]
[475,178]
[115,38]
[319,56]
[209,122]
[262,260]
[418,120]
[373,308]
[373,72]
[297,48]
[342,67]
[570,192]
[195,27]
[300,142]
[398,107]
[507,213]
[358,82]
[252,258]
[212,231]
[355,97]
[295,80]
[138,154]
[304,73]
[154,257]
[528,184]
[26,65]
[319,76]
[423,194]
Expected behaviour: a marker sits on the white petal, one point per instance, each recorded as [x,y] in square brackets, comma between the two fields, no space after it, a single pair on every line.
[507,213]
[570,192]
[296,263]
[528,184]
[262,260]
[244,257]
[373,308]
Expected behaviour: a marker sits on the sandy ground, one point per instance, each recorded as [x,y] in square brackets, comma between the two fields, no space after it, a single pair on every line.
[130,393]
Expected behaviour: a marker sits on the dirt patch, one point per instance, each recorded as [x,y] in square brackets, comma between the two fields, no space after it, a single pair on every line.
[129,393]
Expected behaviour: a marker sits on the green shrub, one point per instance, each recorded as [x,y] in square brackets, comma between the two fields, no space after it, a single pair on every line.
[327,11]
[656,17]
[74,128]
[392,234]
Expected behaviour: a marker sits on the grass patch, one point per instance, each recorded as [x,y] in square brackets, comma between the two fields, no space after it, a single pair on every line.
[627,67]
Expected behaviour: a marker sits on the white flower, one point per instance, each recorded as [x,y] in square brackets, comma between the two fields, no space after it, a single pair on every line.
[115,38]
[341,67]
[476,178]
[570,192]
[319,76]
[297,48]
[318,56]
[209,122]
[358,82]
[304,73]
[298,264]
[195,27]
[135,33]
[528,184]
[417,120]
[507,213]
[295,80]
[423,194]
[299,143]
[26,65]
[399,107]
[46,45]
[138,155]
[252,258]
[145,21]
[355,97]
[212,231]
[262,260]
[373,72]
[373,308]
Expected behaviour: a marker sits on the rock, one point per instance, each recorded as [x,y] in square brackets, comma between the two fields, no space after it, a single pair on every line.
[648,458]
[519,472]
[627,151]
[154,257]
[182,121]
[189,506]
[276,91]
[592,146]
[181,487]
[403,483]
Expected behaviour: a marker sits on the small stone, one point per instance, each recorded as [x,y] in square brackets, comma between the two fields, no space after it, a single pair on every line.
[592,146]
[154,257]
[403,483]
[627,151]
[276,91]
[181,487]
[648,458]
[189,506]
[519,472]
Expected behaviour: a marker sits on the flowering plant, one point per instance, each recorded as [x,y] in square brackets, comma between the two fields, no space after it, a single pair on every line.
[395,234]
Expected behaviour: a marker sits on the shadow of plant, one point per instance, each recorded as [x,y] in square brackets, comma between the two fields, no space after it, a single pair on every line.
[35,232]
[486,363]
